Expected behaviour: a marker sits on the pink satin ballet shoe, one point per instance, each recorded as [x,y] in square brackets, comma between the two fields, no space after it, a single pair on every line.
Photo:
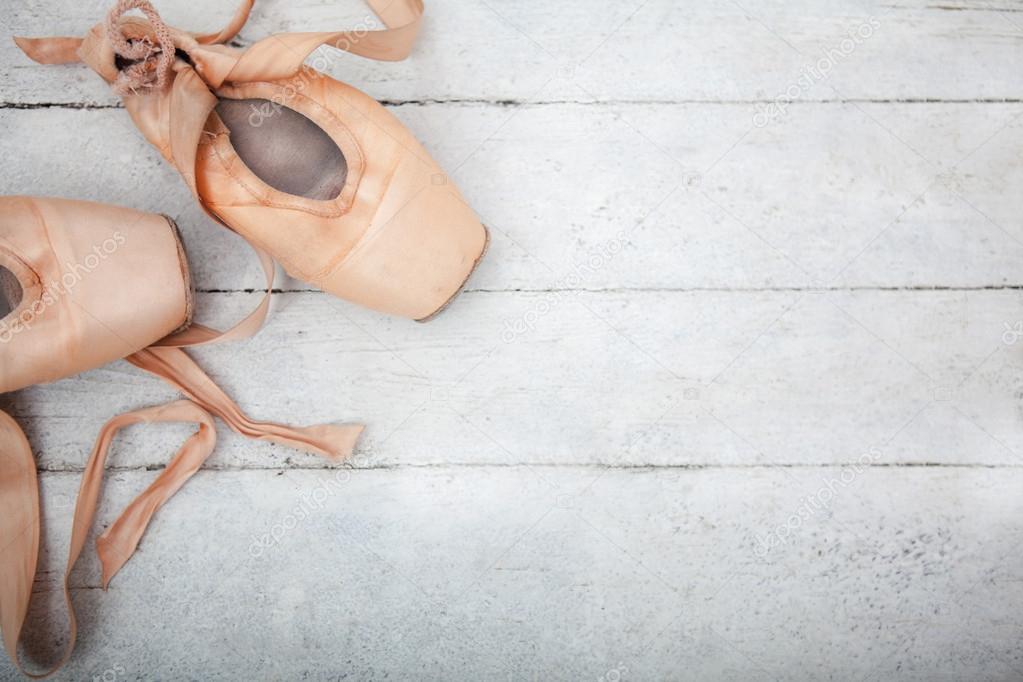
[307,168]
[83,284]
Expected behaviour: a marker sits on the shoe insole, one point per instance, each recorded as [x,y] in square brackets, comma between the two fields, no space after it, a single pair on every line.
[10,292]
[285,149]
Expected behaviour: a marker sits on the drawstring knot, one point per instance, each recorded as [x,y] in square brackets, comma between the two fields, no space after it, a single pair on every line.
[151,64]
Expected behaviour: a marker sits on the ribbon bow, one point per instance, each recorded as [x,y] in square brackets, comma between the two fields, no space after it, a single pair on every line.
[150,46]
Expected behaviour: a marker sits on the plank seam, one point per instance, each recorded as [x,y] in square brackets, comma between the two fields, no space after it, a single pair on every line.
[548,465]
[512,103]
[630,290]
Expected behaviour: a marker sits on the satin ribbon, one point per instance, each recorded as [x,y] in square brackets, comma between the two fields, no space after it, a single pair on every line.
[19,498]
[402,19]
[192,101]
[19,529]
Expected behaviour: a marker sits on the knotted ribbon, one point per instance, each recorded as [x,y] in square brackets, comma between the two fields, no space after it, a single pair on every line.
[152,66]
[149,65]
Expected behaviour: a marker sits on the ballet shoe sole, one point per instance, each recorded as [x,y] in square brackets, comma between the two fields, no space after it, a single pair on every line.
[186,274]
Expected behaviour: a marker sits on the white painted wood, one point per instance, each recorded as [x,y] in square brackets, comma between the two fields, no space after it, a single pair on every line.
[538,50]
[501,574]
[643,196]
[604,460]
[636,378]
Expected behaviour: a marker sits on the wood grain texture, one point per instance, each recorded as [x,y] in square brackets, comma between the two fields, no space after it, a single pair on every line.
[735,394]
[536,50]
[633,378]
[642,196]
[501,574]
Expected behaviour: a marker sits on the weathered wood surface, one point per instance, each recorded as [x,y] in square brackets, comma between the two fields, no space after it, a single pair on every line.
[716,285]
[653,50]
[499,573]
[643,196]
[630,378]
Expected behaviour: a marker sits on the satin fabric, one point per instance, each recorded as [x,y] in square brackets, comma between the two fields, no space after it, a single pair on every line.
[400,238]
[100,283]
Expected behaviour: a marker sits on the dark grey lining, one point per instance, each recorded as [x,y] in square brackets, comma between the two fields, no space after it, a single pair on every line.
[285,149]
[10,292]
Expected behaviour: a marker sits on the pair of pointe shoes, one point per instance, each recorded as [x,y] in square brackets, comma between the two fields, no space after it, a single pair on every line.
[311,172]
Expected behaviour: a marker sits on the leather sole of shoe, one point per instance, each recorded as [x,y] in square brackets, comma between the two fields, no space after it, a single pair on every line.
[186,273]
[479,258]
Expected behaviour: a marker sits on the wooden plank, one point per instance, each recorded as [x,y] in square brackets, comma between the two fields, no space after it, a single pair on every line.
[569,50]
[735,393]
[495,573]
[646,196]
[631,378]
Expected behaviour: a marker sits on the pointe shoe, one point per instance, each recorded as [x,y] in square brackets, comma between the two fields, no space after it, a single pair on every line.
[87,283]
[82,284]
[309,169]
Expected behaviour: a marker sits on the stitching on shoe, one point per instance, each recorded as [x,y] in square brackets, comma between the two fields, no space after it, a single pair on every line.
[260,197]
[340,206]
[31,290]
